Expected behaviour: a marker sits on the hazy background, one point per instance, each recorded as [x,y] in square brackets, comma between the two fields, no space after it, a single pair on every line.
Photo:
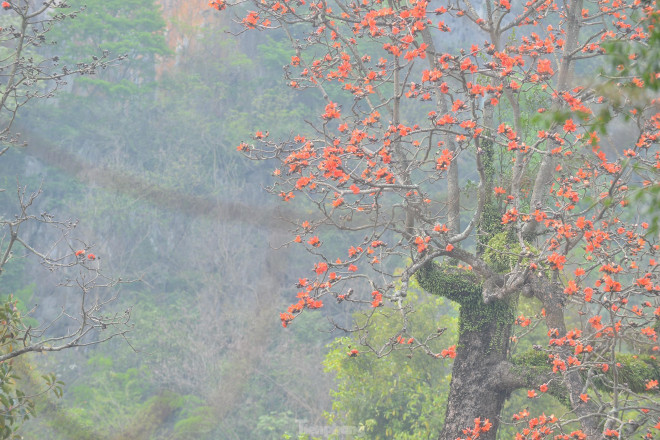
[144,155]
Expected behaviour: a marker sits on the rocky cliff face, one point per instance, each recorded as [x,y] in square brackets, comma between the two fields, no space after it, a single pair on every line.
[187,21]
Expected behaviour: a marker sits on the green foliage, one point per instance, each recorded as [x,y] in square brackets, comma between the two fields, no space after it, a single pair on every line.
[106,391]
[15,407]
[403,389]
[276,425]
[645,62]
[13,277]
[16,292]
[195,420]
[178,134]
[545,403]
[122,405]
[634,371]
[17,404]
[147,421]
[152,415]
[103,114]
[121,27]
[197,114]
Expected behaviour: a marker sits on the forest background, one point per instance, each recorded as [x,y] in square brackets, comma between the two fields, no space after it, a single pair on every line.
[144,155]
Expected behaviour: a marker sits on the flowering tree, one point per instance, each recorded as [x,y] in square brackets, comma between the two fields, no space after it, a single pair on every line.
[493,168]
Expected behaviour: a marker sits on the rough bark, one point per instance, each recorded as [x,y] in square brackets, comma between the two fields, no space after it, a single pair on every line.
[483,344]
[473,391]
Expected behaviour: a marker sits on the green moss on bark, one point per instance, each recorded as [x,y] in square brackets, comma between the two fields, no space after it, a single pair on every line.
[503,252]
[531,358]
[533,366]
[476,316]
[450,282]
[491,218]
[465,289]
[633,372]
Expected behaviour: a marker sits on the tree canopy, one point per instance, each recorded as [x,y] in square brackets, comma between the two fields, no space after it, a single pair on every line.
[506,167]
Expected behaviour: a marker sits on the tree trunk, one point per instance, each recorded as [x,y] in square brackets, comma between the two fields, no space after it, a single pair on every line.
[482,344]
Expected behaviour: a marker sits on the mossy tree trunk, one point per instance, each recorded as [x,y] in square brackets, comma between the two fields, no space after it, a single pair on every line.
[483,343]
[473,390]
[484,329]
